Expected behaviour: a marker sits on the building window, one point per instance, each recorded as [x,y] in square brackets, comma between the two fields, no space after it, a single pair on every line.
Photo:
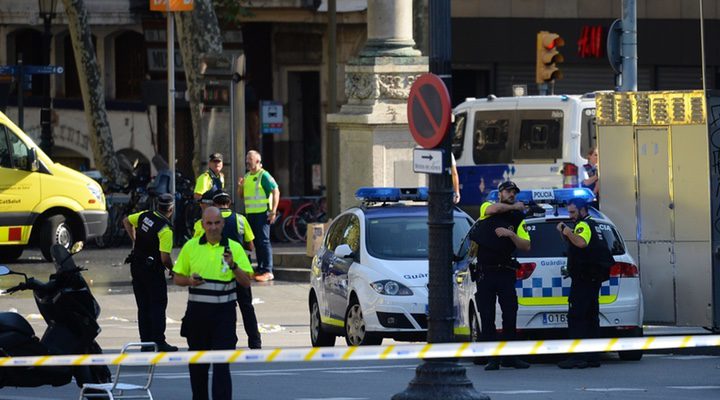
[129,65]
[72,84]
[23,43]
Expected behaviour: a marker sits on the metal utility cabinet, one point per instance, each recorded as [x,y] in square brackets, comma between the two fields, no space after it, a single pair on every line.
[660,183]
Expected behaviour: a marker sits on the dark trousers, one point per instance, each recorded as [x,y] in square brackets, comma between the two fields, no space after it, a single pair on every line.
[263,249]
[584,309]
[210,327]
[150,290]
[497,284]
[244,300]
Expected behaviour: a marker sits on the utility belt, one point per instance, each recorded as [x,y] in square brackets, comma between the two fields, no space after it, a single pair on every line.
[479,270]
[148,261]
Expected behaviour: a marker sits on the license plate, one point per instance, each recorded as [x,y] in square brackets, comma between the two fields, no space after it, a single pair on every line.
[554,318]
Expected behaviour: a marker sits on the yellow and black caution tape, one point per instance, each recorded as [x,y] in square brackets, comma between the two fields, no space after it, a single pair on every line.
[389,352]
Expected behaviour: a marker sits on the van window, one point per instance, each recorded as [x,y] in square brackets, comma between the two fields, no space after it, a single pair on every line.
[540,135]
[491,138]
[20,159]
[5,152]
[588,135]
[458,139]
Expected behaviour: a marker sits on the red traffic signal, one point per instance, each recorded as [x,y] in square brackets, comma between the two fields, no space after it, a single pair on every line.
[548,57]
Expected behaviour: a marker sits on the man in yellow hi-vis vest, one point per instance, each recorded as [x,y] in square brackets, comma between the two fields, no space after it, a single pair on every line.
[262,196]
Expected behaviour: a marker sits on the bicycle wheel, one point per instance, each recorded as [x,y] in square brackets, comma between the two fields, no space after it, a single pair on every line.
[276,230]
[289,230]
[306,214]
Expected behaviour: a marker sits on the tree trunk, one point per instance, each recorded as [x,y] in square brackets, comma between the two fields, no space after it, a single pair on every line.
[92,91]
[198,33]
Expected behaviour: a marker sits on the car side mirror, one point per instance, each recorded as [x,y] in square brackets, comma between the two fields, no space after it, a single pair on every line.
[4,270]
[344,251]
[33,160]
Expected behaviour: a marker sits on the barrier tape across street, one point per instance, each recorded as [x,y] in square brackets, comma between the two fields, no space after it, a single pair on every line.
[389,352]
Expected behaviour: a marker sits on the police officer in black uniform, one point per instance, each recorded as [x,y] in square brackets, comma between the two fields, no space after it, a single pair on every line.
[589,261]
[237,228]
[152,236]
[500,230]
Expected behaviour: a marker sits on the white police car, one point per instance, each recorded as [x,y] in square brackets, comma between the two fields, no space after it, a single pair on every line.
[541,289]
[369,277]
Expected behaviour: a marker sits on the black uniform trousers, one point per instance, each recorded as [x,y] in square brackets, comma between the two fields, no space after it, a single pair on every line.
[210,327]
[244,300]
[150,288]
[584,308]
[496,283]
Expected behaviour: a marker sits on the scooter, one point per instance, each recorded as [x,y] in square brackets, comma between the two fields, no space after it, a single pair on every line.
[70,311]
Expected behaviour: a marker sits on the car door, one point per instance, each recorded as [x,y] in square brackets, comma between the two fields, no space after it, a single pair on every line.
[330,281]
[340,266]
[463,284]
[19,186]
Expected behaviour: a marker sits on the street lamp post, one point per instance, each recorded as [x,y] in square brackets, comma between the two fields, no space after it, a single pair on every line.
[47,13]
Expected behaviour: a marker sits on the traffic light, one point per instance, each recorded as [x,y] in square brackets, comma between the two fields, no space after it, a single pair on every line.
[548,57]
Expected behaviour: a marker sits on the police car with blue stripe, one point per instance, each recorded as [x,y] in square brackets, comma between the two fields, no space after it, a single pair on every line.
[541,287]
[369,278]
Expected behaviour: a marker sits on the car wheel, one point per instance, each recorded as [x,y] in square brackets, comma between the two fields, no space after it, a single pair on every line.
[355,333]
[632,355]
[55,230]
[318,337]
[10,253]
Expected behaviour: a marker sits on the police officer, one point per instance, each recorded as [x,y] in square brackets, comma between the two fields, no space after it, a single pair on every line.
[152,236]
[500,230]
[212,267]
[238,229]
[205,201]
[262,196]
[212,179]
[589,260]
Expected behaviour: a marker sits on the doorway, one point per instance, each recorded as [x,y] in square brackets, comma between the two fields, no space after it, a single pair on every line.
[303,114]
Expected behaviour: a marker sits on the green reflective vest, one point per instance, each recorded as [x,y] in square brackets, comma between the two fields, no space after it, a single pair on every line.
[256,200]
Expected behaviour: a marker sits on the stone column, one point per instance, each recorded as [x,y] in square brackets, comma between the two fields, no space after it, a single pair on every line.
[375,141]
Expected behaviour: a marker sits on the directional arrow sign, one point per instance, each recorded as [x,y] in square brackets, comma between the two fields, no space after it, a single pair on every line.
[428,161]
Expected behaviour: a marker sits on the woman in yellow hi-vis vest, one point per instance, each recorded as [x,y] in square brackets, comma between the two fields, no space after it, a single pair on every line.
[262,196]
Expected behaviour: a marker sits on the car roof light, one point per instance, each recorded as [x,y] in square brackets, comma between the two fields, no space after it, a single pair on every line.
[390,194]
[549,196]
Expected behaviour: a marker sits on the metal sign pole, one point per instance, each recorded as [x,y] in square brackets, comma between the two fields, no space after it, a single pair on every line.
[171,97]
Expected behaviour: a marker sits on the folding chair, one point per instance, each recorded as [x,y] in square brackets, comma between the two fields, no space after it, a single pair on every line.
[117,390]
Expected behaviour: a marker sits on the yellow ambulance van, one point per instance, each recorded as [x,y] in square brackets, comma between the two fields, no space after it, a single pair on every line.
[42,202]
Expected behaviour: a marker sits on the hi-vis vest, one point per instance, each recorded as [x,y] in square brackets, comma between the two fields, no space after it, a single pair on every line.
[256,200]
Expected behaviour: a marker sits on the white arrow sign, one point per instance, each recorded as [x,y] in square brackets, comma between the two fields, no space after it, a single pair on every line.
[428,161]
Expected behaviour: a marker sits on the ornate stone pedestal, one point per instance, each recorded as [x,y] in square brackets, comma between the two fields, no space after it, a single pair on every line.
[375,141]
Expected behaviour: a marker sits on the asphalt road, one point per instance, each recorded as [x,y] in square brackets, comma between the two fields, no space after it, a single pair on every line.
[655,377]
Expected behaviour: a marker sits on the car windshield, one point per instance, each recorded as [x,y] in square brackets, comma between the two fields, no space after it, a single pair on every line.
[406,237]
[547,242]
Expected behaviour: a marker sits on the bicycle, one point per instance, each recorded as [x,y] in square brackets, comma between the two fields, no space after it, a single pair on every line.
[314,210]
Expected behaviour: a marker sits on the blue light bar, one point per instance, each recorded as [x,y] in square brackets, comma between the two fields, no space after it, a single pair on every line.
[386,194]
[549,196]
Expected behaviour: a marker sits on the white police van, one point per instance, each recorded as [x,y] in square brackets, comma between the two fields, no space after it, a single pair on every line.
[535,141]
[542,290]
[369,278]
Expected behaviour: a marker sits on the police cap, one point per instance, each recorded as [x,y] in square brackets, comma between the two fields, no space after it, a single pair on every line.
[216,157]
[508,185]
[220,197]
[166,200]
[207,197]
